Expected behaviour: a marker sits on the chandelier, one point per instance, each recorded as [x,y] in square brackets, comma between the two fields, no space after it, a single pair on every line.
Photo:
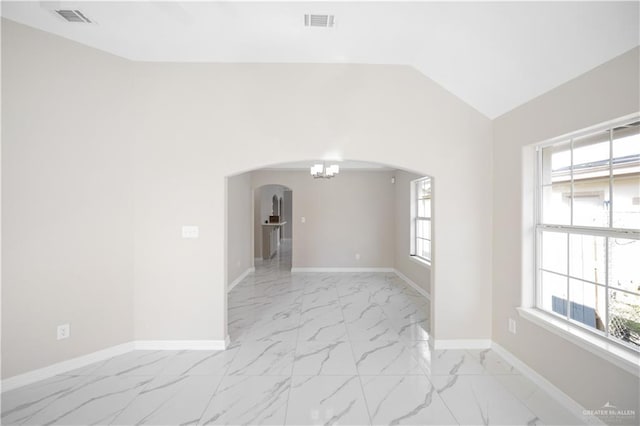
[320,171]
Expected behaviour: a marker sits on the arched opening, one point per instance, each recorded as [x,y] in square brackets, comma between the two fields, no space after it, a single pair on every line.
[271,248]
[355,270]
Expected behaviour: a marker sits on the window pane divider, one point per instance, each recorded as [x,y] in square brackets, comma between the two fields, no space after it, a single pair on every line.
[555,273]
[605,286]
[631,234]
[611,177]
[606,280]
[571,199]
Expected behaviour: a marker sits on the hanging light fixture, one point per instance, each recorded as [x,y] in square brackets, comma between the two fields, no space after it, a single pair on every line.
[320,171]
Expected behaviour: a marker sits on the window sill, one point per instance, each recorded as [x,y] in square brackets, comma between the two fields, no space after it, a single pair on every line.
[420,261]
[627,359]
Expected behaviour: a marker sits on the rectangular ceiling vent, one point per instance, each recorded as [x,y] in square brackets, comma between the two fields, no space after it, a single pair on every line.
[73,16]
[324,21]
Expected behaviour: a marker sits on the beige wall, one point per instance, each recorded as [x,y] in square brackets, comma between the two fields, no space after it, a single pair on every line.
[605,93]
[287,209]
[67,200]
[239,223]
[415,271]
[352,213]
[159,149]
[207,121]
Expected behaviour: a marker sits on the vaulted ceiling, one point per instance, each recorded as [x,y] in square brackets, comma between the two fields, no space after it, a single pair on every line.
[493,56]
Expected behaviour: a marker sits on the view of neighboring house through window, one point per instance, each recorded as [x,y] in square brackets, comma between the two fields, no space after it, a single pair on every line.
[421,219]
[588,232]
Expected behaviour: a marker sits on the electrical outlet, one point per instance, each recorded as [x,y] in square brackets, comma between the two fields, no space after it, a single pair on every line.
[357,256]
[512,325]
[303,219]
[64,331]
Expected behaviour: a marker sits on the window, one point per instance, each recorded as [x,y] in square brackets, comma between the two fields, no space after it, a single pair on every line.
[588,232]
[421,219]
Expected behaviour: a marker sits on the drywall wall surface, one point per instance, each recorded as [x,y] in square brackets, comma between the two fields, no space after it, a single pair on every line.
[287,213]
[67,200]
[193,125]
[345,217]
[203,122]
[417,272]
[239,224]
[608,92]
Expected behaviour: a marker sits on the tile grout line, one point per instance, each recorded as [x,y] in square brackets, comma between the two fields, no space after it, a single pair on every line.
[364,396]
[224,375]
[295,352]
[132,399]
[213,395]
[425,372]
[514,394]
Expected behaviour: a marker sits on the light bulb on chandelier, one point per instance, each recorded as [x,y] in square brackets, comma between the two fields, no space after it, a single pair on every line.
[320,171]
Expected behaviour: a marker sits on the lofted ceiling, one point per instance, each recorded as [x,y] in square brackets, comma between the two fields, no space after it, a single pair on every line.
[494,56]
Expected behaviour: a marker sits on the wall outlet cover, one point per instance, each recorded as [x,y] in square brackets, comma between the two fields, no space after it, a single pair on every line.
[63,331]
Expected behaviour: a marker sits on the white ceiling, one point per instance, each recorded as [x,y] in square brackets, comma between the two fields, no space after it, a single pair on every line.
[494,56]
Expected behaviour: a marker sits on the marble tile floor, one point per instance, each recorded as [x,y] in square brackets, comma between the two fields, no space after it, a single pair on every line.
[312,348]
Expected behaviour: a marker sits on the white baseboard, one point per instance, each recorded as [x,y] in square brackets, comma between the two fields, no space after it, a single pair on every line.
[559,396]
[462,344]
[65,366]
[240,278]
[339,269]
[415,286]
[104,354]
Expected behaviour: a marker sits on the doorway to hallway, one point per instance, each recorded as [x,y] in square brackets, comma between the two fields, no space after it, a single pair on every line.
[273,227]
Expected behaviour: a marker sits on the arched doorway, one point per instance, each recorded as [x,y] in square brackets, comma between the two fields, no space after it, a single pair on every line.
[347,230]
[272,213]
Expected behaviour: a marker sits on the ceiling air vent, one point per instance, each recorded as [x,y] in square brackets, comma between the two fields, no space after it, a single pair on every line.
[73,16]
[325,21]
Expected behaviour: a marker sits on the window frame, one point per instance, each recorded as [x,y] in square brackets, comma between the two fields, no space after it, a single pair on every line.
[416,218]
[607,233]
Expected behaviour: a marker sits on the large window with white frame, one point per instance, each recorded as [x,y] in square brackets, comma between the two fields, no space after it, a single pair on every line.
[421,219]
[588,231]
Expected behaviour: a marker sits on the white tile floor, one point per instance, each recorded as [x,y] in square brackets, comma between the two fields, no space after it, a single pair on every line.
[347,348]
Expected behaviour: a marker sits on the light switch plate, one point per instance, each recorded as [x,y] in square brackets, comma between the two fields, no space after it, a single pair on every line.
[190,231]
